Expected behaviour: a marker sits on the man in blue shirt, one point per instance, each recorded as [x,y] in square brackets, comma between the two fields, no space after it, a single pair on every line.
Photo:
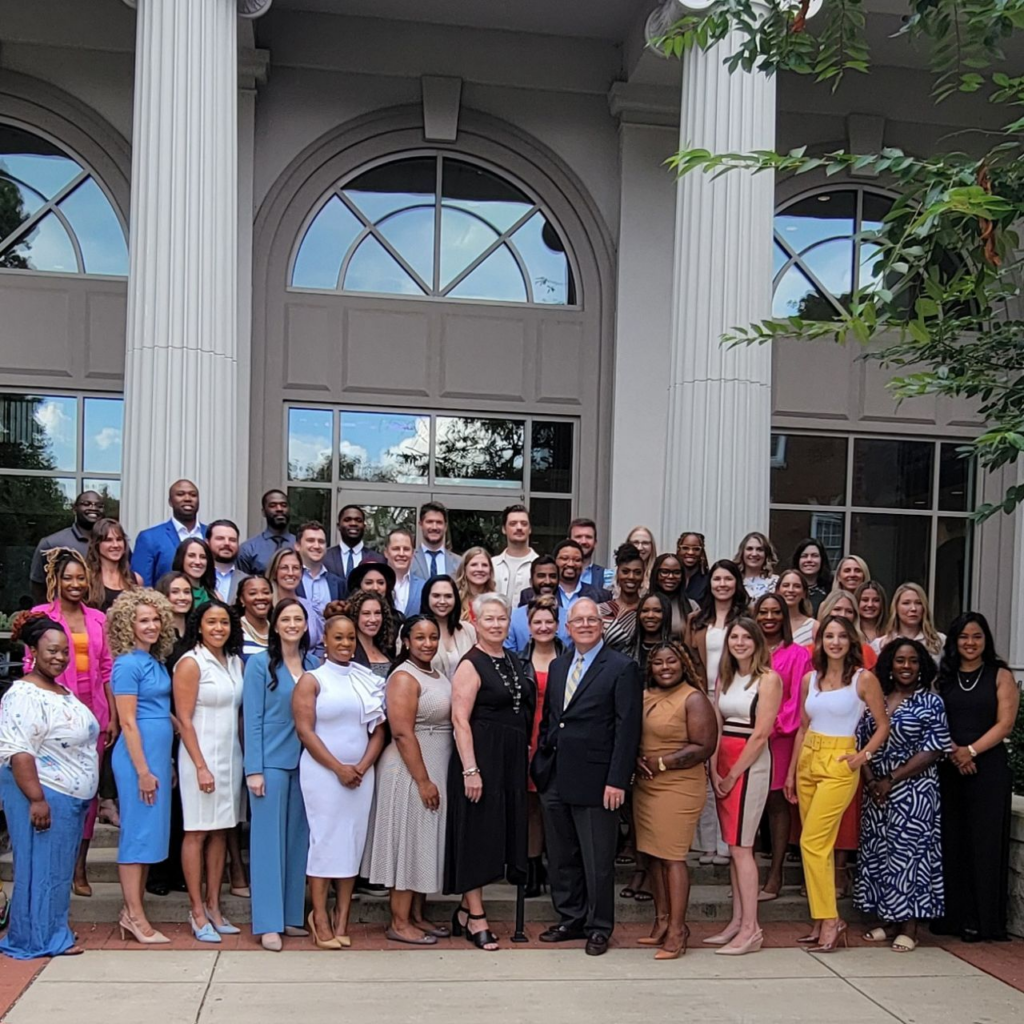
[222,537]
[584,532]
[155,547]
[319,586]
[255,554]
[543,580]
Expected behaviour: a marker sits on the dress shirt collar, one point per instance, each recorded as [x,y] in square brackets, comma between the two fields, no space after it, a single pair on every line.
[184,532]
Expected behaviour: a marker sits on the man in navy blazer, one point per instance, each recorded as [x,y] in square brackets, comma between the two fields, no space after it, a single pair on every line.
[155,547]
[351,529]
[586,753]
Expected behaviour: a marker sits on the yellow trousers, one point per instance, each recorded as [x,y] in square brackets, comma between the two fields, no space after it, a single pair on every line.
[825,787]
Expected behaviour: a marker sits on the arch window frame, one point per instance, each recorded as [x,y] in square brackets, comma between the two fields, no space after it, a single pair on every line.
[434,290]
[52,205]
[796,259]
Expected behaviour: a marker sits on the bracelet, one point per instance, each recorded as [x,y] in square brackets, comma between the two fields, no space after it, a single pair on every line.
[470,771]
[971,750]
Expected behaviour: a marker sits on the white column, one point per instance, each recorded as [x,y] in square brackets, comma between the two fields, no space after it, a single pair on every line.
[181,374]
[719,419]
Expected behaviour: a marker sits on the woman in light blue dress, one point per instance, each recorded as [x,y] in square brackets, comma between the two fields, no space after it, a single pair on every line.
[279,840]
[140,632]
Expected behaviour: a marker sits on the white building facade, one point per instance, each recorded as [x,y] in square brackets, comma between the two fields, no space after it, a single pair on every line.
[378,251]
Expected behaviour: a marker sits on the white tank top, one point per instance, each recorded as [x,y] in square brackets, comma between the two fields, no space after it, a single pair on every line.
[737,705]
[834,712]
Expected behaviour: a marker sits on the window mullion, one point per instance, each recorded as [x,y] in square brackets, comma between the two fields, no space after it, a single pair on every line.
[438,193]
[36,217]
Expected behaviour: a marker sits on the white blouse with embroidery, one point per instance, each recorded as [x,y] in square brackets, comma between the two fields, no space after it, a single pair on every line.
[58,730]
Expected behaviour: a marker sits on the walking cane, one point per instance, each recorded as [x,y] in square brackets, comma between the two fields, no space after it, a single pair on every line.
[520,935]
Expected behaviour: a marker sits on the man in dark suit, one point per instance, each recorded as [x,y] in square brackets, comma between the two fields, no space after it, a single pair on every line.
[155,547]
[350,552]
[588,741]
[432,558]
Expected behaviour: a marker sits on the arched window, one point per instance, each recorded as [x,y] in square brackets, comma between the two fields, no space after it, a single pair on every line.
[820,258]
[434,226]
[54,216]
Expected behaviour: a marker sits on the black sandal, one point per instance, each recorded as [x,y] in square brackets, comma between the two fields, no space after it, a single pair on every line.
[482,938]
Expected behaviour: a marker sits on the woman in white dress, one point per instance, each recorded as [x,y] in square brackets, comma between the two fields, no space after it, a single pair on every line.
[441,599]
[207,697]
[405,847]
[793,590]
[339,716]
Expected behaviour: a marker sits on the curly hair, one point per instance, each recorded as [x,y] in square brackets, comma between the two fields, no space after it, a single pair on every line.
[771,556]
[193,634]
[28,627]
[927,669]
[385,639]
[57,560]
[690,673]
[121,622]
[104,529]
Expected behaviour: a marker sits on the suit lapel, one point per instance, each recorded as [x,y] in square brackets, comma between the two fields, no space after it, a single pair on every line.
[588,677]
[556,690]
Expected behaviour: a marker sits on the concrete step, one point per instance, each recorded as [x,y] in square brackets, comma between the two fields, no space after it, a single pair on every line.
[707,903]
[103,866]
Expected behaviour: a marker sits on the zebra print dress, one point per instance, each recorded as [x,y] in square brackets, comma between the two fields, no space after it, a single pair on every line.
[899,870]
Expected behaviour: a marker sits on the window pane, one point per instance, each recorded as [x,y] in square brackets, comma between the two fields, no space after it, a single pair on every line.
[17,204]
[38,432]
[103,423]
[99,232]
[826,215]
[382,519]
[892,474]
[469,528]
[394,186]
[464,237]
[45,247]
[787,528]
[384,447]
[956,480]
[30,508]
[110,492]
[874,209]
[952,570]
[318,261]
[895,547]
[808,470]
[310,443]
[471,188]
[551,457]
[832,264]
[779,258]
[544,254]
[498,278]
[796,296]
[480,451]
[550,518]
[411,232]
[308,504]
[373,269]
[36,162]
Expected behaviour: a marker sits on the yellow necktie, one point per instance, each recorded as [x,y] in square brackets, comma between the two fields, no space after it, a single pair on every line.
[574,680]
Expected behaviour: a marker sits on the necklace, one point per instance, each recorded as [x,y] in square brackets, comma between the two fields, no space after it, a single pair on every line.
[510,680]
[255,633]
[973,682]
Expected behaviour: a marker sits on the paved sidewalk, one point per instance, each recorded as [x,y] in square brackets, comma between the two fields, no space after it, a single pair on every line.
[776,986]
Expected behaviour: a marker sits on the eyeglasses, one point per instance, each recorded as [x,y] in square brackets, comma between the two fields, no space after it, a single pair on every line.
[588,620]
[670,572]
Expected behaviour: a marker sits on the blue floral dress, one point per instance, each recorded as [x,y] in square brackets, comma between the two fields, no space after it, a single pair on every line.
[899,870]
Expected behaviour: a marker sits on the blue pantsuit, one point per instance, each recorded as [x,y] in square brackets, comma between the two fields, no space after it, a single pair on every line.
[43,865]
[279,836]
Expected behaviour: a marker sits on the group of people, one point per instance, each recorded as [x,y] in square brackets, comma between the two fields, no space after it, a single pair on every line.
[420,721]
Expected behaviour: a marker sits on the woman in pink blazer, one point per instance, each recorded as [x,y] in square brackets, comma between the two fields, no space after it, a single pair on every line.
[88,673]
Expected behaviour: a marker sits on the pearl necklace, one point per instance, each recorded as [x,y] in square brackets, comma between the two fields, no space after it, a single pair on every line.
[259,637]
[974,683]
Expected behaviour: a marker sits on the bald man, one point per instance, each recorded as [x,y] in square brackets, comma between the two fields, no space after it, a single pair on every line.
[155,547]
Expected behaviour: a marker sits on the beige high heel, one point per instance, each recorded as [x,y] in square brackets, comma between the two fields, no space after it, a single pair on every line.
[650,940]
[752,945]
[126,924]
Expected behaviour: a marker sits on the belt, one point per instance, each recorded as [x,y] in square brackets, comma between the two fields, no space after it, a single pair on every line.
[817,741]
[433,728]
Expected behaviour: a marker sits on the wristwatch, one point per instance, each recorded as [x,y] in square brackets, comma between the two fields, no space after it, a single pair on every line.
[662,767]
[971,750]
[867,755]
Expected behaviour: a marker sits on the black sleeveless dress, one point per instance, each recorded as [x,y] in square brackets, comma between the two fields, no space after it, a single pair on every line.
[486,841]
[975,818]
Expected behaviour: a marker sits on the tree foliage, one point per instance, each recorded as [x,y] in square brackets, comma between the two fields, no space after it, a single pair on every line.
[942,304]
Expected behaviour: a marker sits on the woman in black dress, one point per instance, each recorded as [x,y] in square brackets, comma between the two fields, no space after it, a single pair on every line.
[492,716]
[976,782]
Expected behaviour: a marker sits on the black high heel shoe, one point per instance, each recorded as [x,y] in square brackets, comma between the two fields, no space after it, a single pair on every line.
[457,926]
[482,938]
[536,878]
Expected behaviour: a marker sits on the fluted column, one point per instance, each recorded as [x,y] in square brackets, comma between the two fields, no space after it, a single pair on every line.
[719,421]
[181,371]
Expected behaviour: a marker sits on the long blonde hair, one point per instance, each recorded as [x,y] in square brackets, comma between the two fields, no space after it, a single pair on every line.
[932,640]
[760,663]
[462,582]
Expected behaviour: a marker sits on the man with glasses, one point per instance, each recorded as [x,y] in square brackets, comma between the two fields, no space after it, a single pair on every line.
[88,509]
[587,746]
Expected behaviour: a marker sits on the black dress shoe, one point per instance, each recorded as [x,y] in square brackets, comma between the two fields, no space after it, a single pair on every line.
[597,944]
[562,933]
[158,887]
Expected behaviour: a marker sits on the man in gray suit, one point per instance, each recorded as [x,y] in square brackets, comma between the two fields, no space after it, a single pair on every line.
[222,536]
[432,558]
